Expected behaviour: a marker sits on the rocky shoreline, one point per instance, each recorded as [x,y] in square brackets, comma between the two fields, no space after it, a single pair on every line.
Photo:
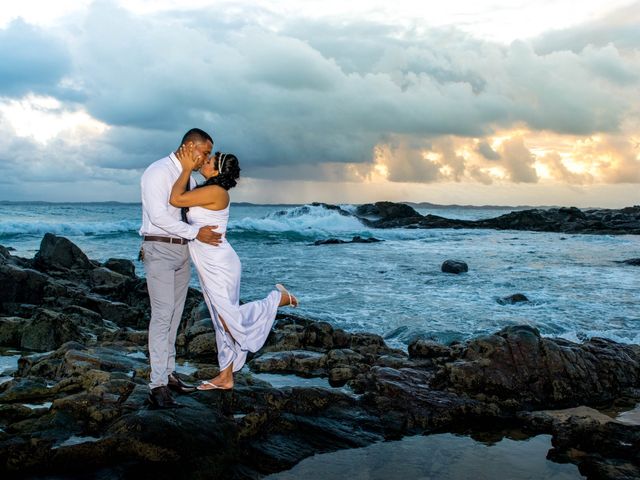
[76,403]
[562,220]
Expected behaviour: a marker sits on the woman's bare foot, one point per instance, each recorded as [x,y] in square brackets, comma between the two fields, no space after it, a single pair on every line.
[287,299]
[224,381]
[215,384]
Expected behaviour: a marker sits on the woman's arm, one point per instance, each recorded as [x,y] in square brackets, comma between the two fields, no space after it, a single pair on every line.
[180,197]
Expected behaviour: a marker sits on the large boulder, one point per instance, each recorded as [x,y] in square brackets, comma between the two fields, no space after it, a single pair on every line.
[21,285]
[454,266]
[387,210]
[48,330]
[512,299]
[518,366]
[11,331]
[59,253]
[121,266]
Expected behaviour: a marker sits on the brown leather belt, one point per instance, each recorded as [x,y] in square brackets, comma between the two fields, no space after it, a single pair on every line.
[152,238]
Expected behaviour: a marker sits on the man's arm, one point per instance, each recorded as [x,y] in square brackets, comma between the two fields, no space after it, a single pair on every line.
[155,197]
[156,203]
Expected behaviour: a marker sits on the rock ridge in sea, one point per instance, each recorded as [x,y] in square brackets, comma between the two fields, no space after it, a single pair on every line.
[76,403]
[563,219]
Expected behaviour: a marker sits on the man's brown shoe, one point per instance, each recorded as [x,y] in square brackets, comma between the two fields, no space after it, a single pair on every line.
[161,398]
[177,385]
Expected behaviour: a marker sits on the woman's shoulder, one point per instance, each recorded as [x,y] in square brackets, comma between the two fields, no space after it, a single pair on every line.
[217,194]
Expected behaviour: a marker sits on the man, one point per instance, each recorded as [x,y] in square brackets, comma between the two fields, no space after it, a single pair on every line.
[166,263]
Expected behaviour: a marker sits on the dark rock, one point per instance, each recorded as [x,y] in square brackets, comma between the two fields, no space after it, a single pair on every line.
[60,253]
[21,285]
[511,299]
[387,210]
[406,400]
[356,239]
[318,336]
[203,346]
[104,280]
[119,313]
[454,266]
[11,331]
[631,261]
[4,252]
[121,266]
[48,330]
[602,447]
[301,362]
[518,365]
[387,215]
[341,339]
[566,220]
[329,241]
[428,349]
[26,390]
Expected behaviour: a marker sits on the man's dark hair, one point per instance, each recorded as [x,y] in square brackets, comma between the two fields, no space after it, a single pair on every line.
[195,135]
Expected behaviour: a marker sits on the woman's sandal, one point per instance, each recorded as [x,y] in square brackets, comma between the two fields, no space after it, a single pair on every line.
[211,386]
[293,301]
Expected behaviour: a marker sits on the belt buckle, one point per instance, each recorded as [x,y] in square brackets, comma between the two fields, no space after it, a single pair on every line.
[174,240]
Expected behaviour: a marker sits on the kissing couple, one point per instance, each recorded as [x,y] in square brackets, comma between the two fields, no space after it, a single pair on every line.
[181,219]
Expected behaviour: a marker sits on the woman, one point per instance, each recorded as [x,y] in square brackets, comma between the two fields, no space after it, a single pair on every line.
[239,328]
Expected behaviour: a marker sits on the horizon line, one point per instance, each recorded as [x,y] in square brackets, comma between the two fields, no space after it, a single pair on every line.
[413,204]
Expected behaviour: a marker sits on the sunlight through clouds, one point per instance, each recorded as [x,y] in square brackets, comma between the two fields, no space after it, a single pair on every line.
[359,97]
[44,118]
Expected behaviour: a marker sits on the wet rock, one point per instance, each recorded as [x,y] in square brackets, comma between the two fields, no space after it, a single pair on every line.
[356,239]
[25,390]
[388,215]
[104,280]
[302,362]
[369,344]
[341,339]
[126,336]
[203,346]
[454,266]
[565,219]
[428,349]
[11,331]
[119,313]
[21,285]
[602,447]
[512,299]
[198,328]
[121,266]
[406,400]
[48,330]
[318,336]
[631,261]
[59,253]
[517,364]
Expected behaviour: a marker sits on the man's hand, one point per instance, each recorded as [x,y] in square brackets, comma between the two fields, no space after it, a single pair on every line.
[207,235]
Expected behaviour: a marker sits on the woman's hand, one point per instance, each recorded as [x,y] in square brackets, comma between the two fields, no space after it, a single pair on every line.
[186,155]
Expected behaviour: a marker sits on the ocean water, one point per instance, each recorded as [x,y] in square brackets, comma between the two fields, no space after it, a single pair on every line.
[394,288]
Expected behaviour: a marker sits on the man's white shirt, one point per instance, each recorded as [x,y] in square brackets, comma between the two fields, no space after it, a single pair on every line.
[159,217]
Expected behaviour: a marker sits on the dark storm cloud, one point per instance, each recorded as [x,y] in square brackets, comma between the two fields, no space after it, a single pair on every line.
[299,92]
[31,59]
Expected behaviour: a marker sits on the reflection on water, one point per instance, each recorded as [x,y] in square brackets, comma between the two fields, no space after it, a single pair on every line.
[441,456]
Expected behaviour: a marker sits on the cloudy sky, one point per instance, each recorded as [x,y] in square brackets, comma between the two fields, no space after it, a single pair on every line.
[473,102]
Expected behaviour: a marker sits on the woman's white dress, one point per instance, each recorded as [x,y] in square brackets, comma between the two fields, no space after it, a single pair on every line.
[219,270]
